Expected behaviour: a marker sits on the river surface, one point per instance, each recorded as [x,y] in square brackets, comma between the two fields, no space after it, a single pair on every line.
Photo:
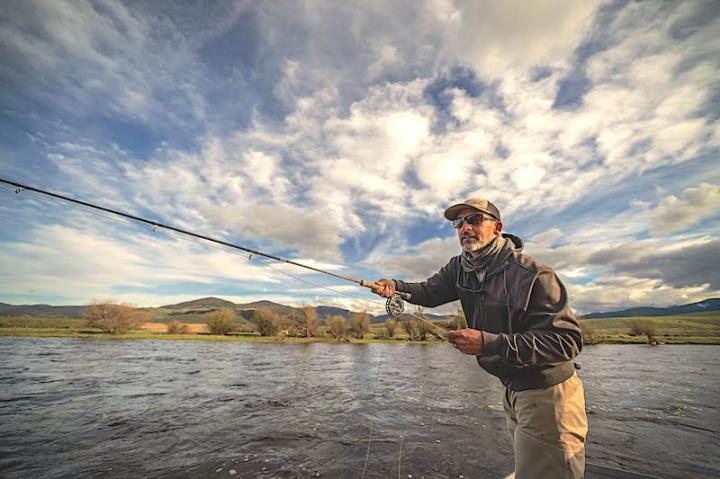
[96,408]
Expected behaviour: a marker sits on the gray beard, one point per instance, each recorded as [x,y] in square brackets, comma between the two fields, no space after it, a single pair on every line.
[482,258]
[473,248]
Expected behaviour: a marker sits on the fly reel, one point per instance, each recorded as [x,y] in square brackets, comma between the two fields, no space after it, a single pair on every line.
[395,306]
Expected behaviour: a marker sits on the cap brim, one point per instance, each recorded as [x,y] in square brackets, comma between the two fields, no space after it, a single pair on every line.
[452,212]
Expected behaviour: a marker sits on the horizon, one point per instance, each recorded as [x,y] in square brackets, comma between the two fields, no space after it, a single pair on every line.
[336,136]
[430,311]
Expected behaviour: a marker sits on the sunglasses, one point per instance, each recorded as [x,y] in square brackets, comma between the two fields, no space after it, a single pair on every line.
[473,219]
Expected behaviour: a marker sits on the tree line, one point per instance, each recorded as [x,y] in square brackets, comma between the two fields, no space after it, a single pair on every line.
[117,318]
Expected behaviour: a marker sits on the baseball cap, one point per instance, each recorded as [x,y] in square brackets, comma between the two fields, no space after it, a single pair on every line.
[480,204]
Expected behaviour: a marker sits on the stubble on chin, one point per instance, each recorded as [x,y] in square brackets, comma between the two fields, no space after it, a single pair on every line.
[471,247]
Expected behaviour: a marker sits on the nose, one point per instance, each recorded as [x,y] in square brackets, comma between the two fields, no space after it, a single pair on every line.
[465,227]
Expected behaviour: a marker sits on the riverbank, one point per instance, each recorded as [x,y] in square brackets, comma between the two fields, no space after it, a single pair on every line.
[252,338]
[242,338]
[697,328]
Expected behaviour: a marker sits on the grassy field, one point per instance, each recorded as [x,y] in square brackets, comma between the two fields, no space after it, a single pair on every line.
[696,328]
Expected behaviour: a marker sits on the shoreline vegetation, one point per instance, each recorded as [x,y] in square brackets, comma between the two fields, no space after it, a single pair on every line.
[694,328]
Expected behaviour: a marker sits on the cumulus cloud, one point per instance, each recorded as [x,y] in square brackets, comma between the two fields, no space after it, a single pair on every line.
[495,36]
[625,292]
[674,213]
[418,262]
[689,265]
[309,232]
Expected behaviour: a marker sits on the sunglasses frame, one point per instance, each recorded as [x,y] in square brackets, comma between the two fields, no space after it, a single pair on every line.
[459,222]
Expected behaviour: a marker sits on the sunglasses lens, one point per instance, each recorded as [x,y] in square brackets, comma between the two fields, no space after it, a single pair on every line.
[473,219]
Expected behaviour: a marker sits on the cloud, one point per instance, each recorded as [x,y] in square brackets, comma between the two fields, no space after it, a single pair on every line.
[689,265]
[495,36]
[674,214]
[70,54]
[309,232]
[87,262]
[625,292]
[418,262]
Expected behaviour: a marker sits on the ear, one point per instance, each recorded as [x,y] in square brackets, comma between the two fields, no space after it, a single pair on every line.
[498,227]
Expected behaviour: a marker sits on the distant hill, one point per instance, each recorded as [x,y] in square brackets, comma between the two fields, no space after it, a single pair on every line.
[41,310]
[202,303]
[329,311]
[712,304]
[279,308]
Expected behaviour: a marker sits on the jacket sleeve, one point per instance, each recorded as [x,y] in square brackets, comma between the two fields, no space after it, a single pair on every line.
[434,291]
[550,333]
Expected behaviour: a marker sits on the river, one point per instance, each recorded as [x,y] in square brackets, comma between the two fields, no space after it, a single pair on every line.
[128,409]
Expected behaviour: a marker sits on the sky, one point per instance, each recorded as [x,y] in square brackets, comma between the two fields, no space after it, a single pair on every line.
[336,134]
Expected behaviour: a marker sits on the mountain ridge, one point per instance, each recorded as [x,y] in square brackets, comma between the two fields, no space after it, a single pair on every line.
[706,305]
[211,303]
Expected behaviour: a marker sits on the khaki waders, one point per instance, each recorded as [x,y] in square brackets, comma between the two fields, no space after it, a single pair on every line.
[548,428]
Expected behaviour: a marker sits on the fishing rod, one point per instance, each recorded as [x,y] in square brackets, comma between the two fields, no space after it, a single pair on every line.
[394,305]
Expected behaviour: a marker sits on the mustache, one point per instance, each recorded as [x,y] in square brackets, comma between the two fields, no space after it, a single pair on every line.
[468,236]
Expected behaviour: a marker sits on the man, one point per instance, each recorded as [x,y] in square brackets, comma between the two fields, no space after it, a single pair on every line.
[522,330]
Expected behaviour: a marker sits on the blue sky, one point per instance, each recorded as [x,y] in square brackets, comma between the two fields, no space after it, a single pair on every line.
[337,133]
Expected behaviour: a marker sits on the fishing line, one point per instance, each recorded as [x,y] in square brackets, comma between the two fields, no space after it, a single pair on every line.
[372,423]
[120,220]
[407,424]
[394,305]
[27,194]
[179,230]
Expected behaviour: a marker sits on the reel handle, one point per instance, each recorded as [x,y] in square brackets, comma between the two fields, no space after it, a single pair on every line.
[373,285]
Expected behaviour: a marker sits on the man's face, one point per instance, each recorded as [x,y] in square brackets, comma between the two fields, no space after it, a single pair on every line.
[474,237]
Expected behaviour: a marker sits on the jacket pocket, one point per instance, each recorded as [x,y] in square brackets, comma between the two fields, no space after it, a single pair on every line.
[495,314]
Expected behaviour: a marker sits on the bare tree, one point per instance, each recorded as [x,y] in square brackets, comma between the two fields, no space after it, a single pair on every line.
[337,327]
[114,318]
[644,327]
[266,321]
[295,324]
[390,327]
[408,325]
[311,321]
[422,326]
[177,327]
[457,321]
[222,321]
[305,324]
[359,324]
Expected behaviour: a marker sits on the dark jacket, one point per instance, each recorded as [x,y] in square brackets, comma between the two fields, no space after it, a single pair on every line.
[530,334]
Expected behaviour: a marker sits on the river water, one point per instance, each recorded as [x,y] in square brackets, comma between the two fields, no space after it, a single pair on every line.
[97,408]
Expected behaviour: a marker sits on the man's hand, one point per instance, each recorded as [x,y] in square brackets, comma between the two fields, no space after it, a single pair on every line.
[468,341]
[383,287]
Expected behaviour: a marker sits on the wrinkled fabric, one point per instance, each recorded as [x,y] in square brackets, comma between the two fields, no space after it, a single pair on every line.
[548,428]
[480,260]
